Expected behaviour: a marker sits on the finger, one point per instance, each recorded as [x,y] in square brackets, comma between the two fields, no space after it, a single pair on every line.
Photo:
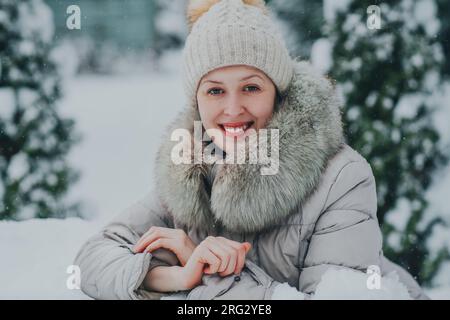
[240,260]
[231,264]
[222,252]
[242,250]
[149,238]
[159,243]
[139,243]
[232,260]
[231,249]
[207,257]
[232,255]
[153,234]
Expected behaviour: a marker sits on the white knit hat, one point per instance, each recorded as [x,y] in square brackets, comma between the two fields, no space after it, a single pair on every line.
[233,32]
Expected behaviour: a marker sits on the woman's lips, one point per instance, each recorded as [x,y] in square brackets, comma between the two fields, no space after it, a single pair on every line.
[236,129]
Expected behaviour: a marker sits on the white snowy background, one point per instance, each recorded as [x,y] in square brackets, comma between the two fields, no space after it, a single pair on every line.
[122,118]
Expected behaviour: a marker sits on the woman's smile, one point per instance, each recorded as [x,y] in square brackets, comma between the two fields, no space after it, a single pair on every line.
[236,129]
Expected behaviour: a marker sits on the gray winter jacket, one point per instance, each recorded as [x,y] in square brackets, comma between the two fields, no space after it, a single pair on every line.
[317,212]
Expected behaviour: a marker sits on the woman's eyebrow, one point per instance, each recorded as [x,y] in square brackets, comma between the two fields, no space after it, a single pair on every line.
[251,76]
[212,81]
[243,79]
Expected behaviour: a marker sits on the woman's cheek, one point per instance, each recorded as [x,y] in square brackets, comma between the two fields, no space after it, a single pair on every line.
[262,113]
[213,114]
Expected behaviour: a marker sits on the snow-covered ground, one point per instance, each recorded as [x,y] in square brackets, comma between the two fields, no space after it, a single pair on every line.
[36,255]
[122,119]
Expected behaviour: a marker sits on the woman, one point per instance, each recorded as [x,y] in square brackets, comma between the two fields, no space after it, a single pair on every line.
[219,229]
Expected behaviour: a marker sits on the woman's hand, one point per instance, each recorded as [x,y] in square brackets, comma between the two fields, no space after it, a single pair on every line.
[212,255]
[175,240]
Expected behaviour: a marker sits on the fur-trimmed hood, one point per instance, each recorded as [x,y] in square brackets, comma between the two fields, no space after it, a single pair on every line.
[242,200]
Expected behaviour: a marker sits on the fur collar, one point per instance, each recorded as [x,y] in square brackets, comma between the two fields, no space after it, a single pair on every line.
[242,200]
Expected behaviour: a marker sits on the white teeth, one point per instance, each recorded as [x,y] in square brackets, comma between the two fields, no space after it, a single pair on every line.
[236,129]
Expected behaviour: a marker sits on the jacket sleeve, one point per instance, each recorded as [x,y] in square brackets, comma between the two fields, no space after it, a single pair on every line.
[253,283]
[347,233]
[109,268]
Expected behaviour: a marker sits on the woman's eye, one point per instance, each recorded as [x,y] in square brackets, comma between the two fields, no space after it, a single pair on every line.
[215,91]
[251,88]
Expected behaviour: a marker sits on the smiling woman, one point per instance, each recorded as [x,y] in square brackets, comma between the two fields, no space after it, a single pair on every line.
[226,231]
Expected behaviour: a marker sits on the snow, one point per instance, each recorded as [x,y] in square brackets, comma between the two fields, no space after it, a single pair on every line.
[425,13]
[347,284]
[442,115]
[332,7]
[36,254]
[8,105]
[36,20]
[170,62]
[409,105]
[321,55]
[171,19]
[18,167]
[403,214]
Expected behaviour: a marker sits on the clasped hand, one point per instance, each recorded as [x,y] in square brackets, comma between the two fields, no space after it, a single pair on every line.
[212,255]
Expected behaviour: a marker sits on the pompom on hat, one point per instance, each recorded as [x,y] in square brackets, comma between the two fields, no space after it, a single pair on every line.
[233,32]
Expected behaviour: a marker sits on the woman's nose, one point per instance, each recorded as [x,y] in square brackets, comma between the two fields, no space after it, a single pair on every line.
[234,105]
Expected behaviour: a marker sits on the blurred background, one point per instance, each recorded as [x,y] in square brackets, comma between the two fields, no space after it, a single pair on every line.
[87,88]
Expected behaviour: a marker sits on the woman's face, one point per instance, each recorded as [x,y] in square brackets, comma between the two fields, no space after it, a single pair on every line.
[233,100]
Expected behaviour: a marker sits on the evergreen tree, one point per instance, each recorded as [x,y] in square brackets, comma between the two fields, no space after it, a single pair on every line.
[34,138]
[304,18]
[444,33]
[170,25]
[387,78]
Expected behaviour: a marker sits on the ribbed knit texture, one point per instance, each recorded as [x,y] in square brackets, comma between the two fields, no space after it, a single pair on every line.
[233,33]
